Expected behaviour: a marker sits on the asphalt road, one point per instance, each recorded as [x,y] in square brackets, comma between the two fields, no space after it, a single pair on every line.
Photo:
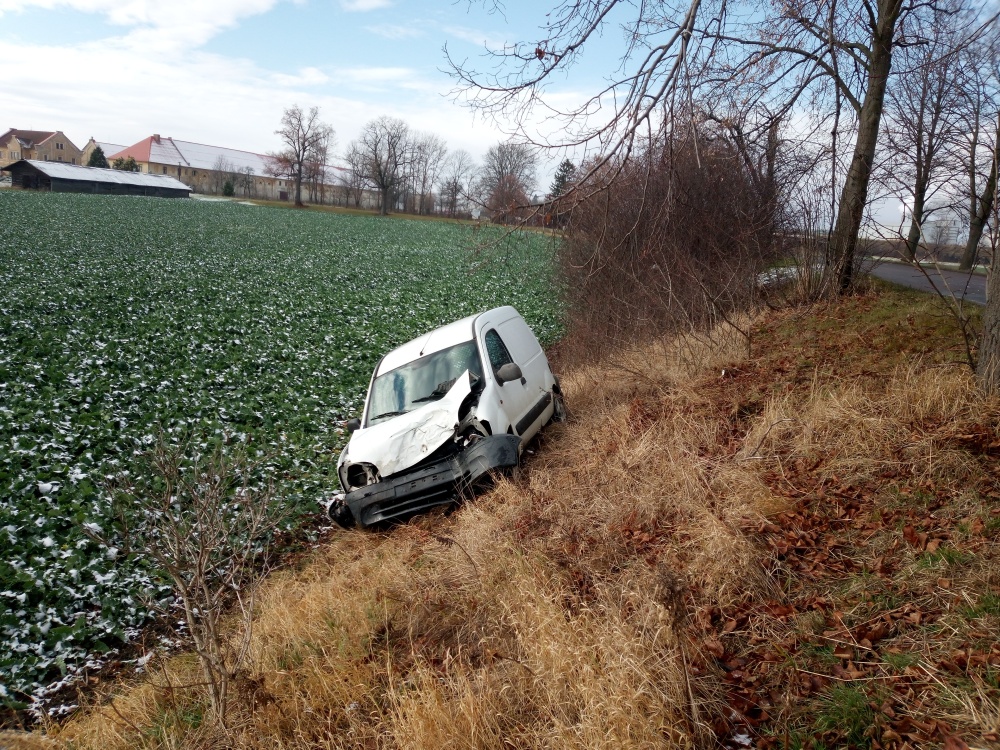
[971,287]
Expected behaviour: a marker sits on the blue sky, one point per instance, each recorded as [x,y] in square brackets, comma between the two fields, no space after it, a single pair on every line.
[222,71]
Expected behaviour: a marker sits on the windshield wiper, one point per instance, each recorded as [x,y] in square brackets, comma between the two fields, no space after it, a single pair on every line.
[435,396]
[387,414]
[442,389]
[438,393]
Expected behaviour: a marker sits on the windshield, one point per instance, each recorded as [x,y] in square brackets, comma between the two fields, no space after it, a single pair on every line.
[424,380]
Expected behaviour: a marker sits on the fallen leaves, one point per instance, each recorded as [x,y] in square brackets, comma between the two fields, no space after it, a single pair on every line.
[827,631]
[923,540]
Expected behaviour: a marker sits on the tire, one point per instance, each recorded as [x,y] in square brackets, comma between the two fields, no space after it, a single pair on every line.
[559,408]
[340,514]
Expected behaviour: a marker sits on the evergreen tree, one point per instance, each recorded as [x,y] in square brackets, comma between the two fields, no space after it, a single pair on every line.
[563,177]
[98,159]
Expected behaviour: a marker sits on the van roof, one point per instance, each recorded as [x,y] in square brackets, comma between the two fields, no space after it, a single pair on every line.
[434,341]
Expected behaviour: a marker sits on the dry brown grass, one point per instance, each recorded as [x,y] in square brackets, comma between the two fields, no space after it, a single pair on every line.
[23,741]
[603,597]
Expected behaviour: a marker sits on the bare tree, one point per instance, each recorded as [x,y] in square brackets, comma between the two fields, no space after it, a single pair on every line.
[979,86]
[512,84]
[985,210]
[302,133]
[429,154]
[245,182]
[224,172]
[841,54]
[456,181]
[982,203]
[205,524]
[832,54]
[315,168]
[354,180]
[384,156]
[278,165]
[506,177]
[923,115]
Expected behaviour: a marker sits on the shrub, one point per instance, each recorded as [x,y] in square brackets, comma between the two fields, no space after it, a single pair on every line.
[672,238]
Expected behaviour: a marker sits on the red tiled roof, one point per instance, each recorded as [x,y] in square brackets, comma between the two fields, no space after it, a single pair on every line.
[138,151]
[28,138]
[167,151]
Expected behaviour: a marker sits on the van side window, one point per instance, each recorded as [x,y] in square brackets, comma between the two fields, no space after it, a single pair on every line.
[496,350]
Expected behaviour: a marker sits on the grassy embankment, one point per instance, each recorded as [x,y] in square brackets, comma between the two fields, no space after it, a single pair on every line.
[799,544]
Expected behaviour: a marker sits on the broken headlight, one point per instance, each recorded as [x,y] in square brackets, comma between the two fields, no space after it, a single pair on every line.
[358,475]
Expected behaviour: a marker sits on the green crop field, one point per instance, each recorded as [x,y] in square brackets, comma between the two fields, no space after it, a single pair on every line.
[126,319]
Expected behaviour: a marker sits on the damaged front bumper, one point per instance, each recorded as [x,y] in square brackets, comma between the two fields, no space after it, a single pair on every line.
[400,496]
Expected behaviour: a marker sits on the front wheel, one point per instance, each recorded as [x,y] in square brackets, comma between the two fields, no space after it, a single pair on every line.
[558,408]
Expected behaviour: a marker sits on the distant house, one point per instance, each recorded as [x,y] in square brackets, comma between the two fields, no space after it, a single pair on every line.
[106,148]
[207,168]
[942,231]
[40,145]
[73,178]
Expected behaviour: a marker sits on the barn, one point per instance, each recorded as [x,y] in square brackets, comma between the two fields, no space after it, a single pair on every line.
[60,177]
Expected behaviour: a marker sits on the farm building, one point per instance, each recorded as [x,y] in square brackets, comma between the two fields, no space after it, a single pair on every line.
[206,168]
[43,145]
[106,148]
[72,178]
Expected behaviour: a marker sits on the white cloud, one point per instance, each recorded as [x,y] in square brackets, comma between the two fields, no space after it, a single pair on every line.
[476,37]
[115,94]
[155,78]
[154,24]
[395,32]
[305,77]
[374,75]
[363,6]
[384,80]
[217,14]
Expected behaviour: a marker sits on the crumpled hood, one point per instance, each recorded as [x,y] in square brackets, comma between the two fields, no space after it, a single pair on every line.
[400,442]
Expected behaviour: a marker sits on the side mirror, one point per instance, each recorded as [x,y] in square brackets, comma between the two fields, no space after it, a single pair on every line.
[353,424]
[508,372]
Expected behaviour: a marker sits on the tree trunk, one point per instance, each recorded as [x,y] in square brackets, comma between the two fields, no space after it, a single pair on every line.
[384,208]
[988,369]
[298,188]
[850,210]
[916,221]
[977,221]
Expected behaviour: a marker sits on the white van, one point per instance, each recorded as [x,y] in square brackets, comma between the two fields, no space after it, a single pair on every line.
[442,411]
